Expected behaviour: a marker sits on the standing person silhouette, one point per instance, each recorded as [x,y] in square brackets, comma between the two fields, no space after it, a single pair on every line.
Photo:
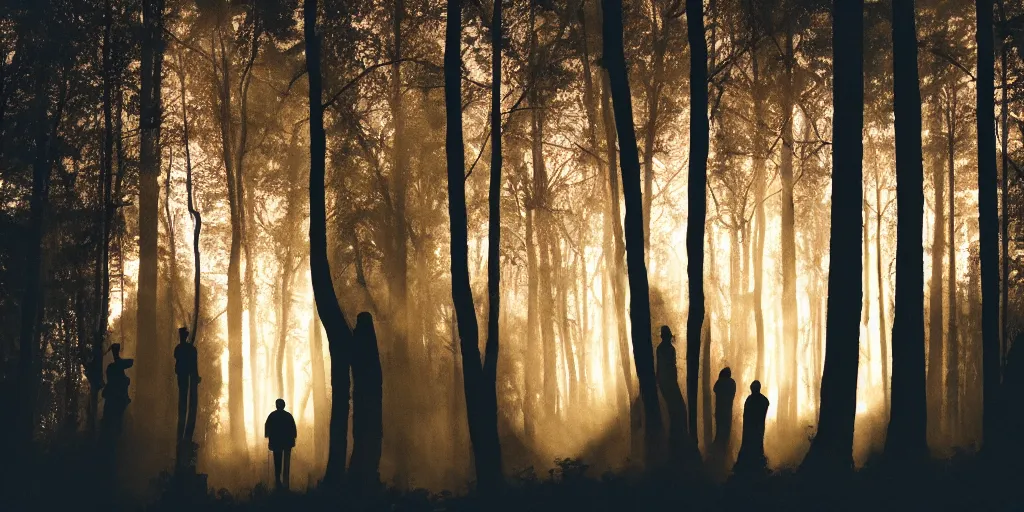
[725,395]
[115,394]
[186,368]
[280,430]
[751,459]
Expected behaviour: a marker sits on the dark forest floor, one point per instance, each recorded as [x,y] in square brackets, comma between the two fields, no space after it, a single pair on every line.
[965,482]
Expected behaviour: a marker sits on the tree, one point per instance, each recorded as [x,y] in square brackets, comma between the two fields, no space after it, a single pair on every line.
[906,437]
[478,379]
[629,162]
[339,335]
[988,221]
[697,196]
[149,194]
[833,444]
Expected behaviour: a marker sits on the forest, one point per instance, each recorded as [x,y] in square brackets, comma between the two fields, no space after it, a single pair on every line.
[483,245]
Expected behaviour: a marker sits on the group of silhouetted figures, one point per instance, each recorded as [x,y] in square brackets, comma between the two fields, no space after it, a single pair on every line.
[751,458]
[280,429]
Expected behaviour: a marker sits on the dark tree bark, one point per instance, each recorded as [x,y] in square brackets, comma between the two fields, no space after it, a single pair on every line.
[906,437]
[478,379]
[833,445]
[629,161]
[988,220]
[28,370]
[367,407]
[339,336]
[697,199]
[149,194]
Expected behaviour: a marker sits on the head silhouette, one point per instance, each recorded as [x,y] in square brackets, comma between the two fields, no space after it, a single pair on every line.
[115,349]
[666,333]
[183,334]
[755,387]
[280,404]
[726,373]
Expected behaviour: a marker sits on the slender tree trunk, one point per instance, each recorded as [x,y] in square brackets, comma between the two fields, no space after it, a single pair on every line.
[478,379]
[697,199]
[640,306]
[952,347]
[988,220]
[883,316]
[618,268]
[32,298]
[833,445]
[906,438]
[94,368]
[789,364]
[935,335]
[339,336]
[398,259]
[759,217]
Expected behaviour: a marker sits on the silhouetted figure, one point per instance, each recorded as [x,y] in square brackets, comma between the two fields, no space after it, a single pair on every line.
[280,430]
[751,458]
[668,382]
[725,395]
[186,367]
[115,394]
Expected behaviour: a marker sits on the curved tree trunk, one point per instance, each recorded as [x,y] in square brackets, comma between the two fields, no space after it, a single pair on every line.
[478,379]
[339,336]
[640,305]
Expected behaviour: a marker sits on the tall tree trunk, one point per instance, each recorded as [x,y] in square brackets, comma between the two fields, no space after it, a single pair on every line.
[988,220]
[952,347]
[32,298]
[790,373]
[398,260]
[618,268]
[758,94]
[149,194]
[833,445]
[697,199]
[906,437]
[883,316]
[640,305]
[935,389]
[534,357]
[339,336]
[478,379]
[94,368]
[236,410]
